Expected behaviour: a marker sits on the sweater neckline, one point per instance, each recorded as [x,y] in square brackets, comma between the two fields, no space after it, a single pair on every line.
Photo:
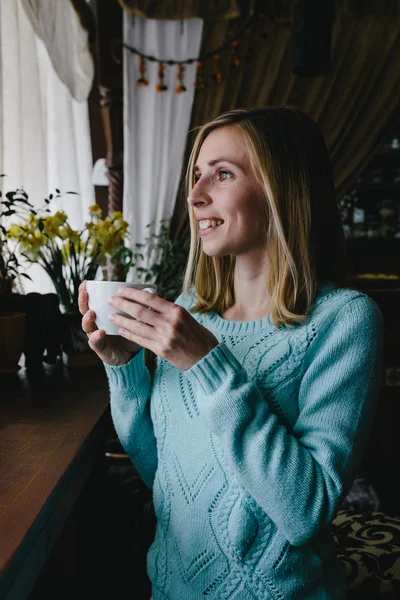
[248,327]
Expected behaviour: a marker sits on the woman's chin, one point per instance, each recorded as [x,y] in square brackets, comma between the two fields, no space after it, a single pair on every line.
[215,251]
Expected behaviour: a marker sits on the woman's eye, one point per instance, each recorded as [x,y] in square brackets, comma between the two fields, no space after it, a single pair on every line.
[223,175]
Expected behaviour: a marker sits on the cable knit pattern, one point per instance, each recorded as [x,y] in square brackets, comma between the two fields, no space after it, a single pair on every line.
[250,451]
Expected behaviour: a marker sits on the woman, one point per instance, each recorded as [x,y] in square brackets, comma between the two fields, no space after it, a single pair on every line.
[267,372]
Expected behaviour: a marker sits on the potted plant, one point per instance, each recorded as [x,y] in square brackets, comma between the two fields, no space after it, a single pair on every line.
[12,324]
[68,256]
[13,204]
[167,271]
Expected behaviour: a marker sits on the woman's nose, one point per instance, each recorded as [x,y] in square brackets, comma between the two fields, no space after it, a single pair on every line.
[199,193]
[195,199]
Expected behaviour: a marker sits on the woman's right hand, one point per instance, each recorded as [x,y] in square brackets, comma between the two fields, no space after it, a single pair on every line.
[113,350]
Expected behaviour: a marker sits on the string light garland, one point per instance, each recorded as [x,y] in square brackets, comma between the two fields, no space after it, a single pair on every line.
[142,81]
[235,62]
[161,87]
[199,83]
[251,29]
[217,76]
[180,87]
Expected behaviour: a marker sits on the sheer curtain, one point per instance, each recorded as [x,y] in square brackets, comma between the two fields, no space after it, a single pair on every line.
[44,131]
[155,124]
[57,24]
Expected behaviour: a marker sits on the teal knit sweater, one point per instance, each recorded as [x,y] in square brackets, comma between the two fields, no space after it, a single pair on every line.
[250,451]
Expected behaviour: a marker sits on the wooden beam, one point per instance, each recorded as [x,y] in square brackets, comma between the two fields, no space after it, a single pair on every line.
[110,85]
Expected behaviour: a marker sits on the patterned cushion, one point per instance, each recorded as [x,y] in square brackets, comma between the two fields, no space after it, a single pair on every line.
[369,547]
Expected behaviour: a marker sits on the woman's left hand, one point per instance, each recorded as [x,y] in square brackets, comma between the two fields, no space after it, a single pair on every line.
[168,330]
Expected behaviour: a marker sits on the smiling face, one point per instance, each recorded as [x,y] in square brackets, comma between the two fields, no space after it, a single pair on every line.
[226,189]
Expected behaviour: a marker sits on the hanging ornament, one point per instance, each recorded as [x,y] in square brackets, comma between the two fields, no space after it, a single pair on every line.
[257,34]
[235,62]
[199,83]
[249,47]
[161,87]
[142,81]
[217,76]
[243,46]
[180,87]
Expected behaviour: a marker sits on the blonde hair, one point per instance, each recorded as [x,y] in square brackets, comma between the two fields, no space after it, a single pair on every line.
[304,233]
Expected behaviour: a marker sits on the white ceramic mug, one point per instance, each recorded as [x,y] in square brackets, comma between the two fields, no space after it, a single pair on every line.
[98,294]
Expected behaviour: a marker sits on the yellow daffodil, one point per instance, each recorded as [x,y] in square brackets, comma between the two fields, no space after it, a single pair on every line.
[59,218]
[95,210]
[51,226]
[116,215]
[15,231]
[45,238]
[67,233]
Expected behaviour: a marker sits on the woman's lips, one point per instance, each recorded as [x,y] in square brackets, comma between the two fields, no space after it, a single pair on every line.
[209,230]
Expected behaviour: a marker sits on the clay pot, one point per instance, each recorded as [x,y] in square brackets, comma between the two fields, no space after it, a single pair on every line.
[12,340]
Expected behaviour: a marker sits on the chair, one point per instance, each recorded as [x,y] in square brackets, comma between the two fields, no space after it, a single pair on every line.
[368,545]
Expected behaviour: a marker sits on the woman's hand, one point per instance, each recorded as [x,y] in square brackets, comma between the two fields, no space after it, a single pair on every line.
[113,350]
[168,330]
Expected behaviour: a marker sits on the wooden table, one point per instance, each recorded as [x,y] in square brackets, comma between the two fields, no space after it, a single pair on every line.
[52,432]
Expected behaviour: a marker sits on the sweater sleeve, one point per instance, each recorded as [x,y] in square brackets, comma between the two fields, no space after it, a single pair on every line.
[298,477]
[130,396]
[130,386]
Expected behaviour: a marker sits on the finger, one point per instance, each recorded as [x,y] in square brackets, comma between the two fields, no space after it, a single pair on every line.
[146,298]
[137,339]
[83,303]
[96,340]
[89,322]
[135,327]
[141,313]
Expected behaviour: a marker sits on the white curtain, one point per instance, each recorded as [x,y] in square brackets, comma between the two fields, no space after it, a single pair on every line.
[58,26]
[44,132]
[155,124]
